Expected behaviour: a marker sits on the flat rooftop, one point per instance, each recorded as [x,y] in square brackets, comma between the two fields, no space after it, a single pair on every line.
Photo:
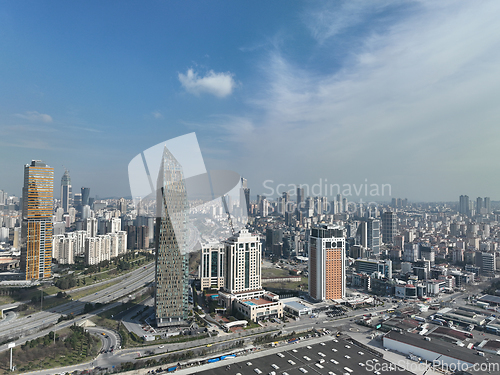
[490,299]
[449,332]
[438,346]
[257,301]
[297,305]
[337,354]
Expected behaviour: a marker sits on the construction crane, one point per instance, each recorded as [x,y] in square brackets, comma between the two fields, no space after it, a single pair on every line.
[226,208]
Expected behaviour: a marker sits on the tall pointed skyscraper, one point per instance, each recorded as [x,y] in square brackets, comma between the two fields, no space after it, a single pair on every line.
[66,191]
[171,298]
[38,194]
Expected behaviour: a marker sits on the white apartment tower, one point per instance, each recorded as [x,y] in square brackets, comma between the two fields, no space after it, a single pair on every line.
[242,271]
[212,266]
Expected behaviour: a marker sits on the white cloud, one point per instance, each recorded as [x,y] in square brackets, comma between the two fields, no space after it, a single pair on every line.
[218,84]
[35,116]
[415,103]
[157,115]
[334,18]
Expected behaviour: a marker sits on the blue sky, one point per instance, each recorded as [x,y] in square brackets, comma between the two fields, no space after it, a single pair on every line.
[383,92]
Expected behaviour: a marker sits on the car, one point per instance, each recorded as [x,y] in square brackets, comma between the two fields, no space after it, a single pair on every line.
[209,345]
[161,346]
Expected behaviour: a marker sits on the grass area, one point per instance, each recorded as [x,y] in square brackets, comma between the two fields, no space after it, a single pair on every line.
[111,319]
[49,290]
[178,339]
[48,304]
[11,295]
[291,285]
[107,272]
[68,347]
[105,322]
[251,324]
[274,272]
[87,292]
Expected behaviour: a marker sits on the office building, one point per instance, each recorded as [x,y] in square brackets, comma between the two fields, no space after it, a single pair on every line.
[38,195]
[171,297]
[411,252]
[122,206]
[487,205]
[242,292]
[371,266]
[273,237]
[300,198]
[4,234]
[243,263]
[77,201]
[211,271]
[3,197]
[479,206]
[326,262]
[463,205]
[388,227]
[373,235]
[142,237]
[264,207]
[85,191]
[486,261]
[246,193]
[66,193]
[427,252]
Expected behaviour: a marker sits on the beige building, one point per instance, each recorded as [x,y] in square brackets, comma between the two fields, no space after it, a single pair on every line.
[266,306]
[242,291]
[327,262]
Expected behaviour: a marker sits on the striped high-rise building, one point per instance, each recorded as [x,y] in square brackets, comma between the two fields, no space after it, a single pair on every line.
[38,196]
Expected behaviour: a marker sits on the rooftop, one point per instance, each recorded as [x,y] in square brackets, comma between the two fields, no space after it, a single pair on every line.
[336,355]
[257,301]
[438,346]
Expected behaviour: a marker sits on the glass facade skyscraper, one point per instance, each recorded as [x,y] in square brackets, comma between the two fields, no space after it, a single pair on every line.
[66,192]
[171,298]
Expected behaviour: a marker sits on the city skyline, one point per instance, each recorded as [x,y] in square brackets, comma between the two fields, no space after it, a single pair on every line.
[394,93]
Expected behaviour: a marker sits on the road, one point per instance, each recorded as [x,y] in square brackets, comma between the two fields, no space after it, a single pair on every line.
[108,360]
[29,327]
[134,325]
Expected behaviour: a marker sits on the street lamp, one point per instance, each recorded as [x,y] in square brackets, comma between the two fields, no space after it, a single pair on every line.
[11,346]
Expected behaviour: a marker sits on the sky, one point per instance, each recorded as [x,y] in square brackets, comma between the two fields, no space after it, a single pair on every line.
[397,93]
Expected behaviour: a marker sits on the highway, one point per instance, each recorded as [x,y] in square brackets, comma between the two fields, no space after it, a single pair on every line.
[29,327]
